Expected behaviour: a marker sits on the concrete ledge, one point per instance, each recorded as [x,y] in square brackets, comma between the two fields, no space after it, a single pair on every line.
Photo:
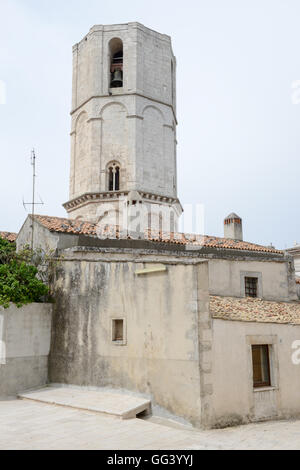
[121,405]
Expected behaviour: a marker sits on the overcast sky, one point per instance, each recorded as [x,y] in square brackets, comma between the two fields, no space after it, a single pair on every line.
[238,133]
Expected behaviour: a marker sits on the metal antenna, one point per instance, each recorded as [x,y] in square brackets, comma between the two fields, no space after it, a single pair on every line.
[33,203]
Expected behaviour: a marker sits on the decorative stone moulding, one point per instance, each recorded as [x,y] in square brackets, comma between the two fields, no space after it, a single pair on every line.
[78,202]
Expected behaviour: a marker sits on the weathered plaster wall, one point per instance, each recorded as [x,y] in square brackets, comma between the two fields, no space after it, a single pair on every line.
[233,399]
[297,265]
[25,335]
[162,313]
[297,262]
[295,252]
[276,280]
[43,238]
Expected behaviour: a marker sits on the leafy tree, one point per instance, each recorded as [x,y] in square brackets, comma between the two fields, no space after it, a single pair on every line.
[19,279]
[7,251]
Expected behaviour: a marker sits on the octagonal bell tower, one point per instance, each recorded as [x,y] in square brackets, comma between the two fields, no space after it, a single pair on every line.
[123,138]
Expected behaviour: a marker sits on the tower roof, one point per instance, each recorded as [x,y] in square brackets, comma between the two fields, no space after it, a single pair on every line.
[233,216]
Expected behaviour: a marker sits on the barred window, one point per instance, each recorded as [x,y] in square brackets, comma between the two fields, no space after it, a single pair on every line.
[251,286]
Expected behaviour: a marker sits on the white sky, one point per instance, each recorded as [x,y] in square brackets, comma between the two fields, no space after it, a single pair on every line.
[238,132]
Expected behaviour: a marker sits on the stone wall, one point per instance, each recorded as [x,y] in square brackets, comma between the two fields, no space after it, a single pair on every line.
[24,347]
[295,252]
[162,313]
[276,279]
[133,126]
[233,398]
[147,68]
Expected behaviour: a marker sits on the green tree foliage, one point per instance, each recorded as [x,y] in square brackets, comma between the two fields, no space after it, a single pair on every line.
[7,251]
[19,282]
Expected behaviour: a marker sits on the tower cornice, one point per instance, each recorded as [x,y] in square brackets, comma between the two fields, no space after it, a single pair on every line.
[140,95]
[113,196]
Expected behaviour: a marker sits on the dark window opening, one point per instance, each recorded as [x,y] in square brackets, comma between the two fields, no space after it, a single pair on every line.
[114,178]
[116,70]
[251,286]
[172,80]
[118,330]
[149,220]
[118,58]
[172,222]
[261,366]
[111,180]
[160,222]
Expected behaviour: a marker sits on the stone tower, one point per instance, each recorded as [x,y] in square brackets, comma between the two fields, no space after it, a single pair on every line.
[123,139]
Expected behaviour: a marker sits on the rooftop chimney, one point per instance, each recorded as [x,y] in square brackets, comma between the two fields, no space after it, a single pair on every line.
[233,227]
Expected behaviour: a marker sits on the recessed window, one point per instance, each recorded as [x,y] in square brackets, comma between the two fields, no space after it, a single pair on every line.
[118,330]
[251,286]
[261,366]
[160,222]
[114,177]
[116,65]
[172,80]
[172,222]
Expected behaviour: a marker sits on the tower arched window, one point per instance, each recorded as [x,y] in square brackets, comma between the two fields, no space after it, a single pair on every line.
[114,177]
[160,223]
[172,222]
[116,63]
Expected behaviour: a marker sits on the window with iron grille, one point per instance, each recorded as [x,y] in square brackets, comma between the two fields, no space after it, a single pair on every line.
[261,366]
[251,286]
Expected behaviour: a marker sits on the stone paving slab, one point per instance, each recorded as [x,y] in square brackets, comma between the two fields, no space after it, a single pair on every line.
[32,425]
[122,405]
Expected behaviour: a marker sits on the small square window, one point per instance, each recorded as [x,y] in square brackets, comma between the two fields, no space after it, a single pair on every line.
[261,366]
[118,330]
[251,286]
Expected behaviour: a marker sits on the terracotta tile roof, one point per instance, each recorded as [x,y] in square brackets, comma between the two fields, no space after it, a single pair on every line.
[216,242]
[254,310]
[9,236]
[61,225]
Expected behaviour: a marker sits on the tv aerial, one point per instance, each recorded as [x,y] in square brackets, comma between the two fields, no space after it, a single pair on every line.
[33,203]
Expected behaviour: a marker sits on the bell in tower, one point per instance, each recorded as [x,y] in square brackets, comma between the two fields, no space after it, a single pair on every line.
[117,70]
[117,79]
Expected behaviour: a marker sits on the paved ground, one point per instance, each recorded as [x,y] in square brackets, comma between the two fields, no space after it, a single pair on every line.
[31,425]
